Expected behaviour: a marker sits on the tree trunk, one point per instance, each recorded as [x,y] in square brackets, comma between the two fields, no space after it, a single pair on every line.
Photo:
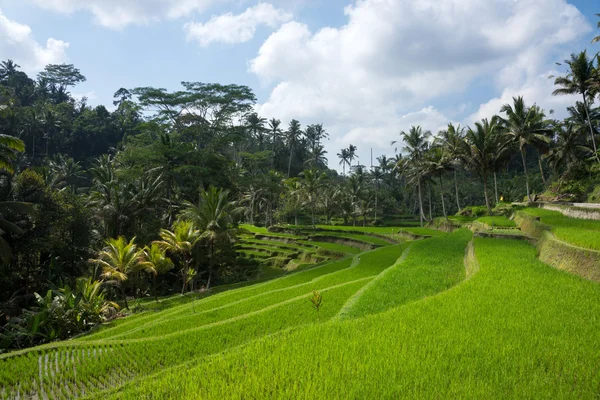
[312,208]
[375,209]
[296,218]
[430,205]
[210,264]
[155,290]
[495,187]
[442,195]
[124,297]
[541,168]
[523,158]
[456,190]
[421,214]
[485,194]
[290,161]
[585,104]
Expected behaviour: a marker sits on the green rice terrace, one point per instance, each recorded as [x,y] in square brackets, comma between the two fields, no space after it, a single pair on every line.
[351,312]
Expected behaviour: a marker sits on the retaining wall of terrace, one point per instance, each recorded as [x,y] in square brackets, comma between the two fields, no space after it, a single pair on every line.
[573,210]
[559,254]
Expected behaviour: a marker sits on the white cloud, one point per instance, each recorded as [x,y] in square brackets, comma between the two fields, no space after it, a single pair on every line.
[240,28]
[117,14]
[91,95]
[393,58]
[17,43]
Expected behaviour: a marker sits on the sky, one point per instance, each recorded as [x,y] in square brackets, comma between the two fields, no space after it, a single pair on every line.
[366,69]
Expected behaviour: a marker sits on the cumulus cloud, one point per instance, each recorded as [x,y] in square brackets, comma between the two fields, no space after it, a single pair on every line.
[393,59]
[118,14]
[240,28]
[17,43]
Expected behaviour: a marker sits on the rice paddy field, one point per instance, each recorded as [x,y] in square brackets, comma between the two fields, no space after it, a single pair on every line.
[579,232]
[447,316]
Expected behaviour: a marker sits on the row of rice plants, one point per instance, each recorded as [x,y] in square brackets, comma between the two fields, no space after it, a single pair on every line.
[431,266]
[517,329]
[579,232]
[222,299]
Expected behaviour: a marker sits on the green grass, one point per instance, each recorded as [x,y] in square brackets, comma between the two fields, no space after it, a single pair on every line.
[335,247]
[517,329]
[431,266]
[579,232]
[384,230]
[499,221]
[154,341]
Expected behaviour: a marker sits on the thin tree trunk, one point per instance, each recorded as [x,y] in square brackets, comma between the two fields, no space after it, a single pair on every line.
[526,175]
[495,187]
[210,264]
[442,195]
[290,161]
[124,297]
[456,190]
[585,104]
[375,210]
[485,195]
[430,205]
[155,290]
[421,214]
[541,168]
[312,207]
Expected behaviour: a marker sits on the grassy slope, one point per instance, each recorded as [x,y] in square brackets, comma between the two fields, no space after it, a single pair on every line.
[385,230]
[431,266]
[579,232]
[516,329]
[154,341]
[499,221]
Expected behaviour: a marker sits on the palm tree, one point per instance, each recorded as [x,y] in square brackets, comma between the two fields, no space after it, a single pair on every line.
[378,174]
[437,163]
[526,126]
[118,259]
[451,139]
[7,69]
[293,136]
[311,185]
[275,135]
[344,159]
[211,215]
[415,145]
[9,147]
[7,227]
[567,151]
[579,80]
[479,149]
[155,261]
[65,172]
[180,241]
[597,38]
[256,126]
[351,154]
[317,157]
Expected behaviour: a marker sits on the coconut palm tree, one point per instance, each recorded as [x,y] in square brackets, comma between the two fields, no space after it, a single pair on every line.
[64,172]
[180,241]
[568,150]
[451,139]
[118,259]
[526,126]
[212,216]
[437,163]
[344,159]
[317,157]
[256,125]
[416,143]
[293,137]
[311,185]
[9,147]
[579,80]
[351,154]
[275,132]
[597,38]
[7,69]
[155,261]
[480,146]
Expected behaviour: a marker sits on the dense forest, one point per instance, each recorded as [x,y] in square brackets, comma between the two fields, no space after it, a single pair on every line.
[99,206]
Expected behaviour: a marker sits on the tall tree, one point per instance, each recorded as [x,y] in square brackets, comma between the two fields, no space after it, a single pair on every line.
[578,80]
[118,259]
[526,126]
[479,148]
[293,136]
[451,139]
[437,163]
[344,159]
[275,132]
[311,184]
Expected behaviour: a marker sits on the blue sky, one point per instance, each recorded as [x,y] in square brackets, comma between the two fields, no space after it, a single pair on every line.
[367,69]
